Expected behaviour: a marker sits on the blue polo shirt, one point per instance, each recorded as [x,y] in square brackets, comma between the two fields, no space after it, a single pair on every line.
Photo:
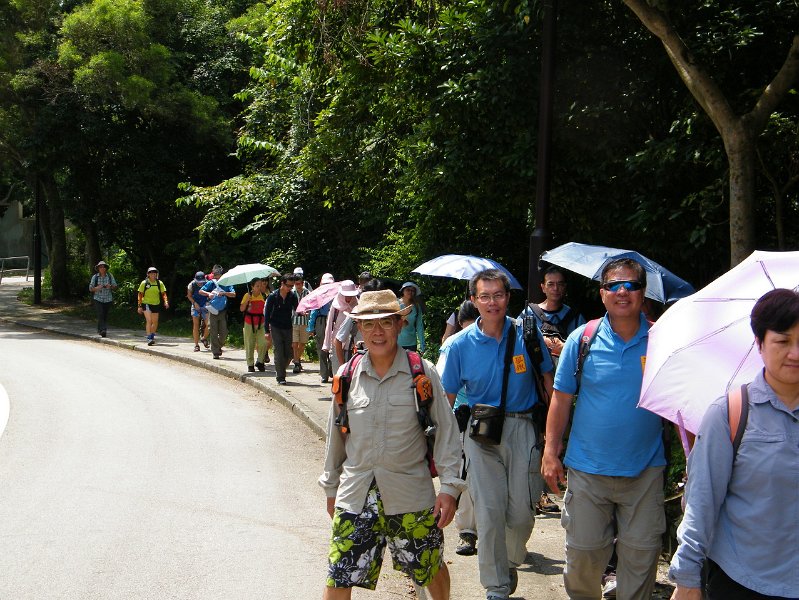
[610,435]
[475,362]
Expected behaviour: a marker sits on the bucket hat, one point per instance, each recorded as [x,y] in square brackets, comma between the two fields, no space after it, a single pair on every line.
[327,278]
[411,284]
[347,289]
[102,263]
[382,303]
[152,270]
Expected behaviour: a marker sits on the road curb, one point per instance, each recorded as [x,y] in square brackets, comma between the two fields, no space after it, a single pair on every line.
[295,406]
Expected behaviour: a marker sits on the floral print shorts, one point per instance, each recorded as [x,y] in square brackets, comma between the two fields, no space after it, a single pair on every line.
[358,542]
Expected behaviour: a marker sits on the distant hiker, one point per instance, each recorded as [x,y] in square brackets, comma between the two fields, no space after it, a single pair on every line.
[198,311]
[102,285]
[152,296]
[252,305]
[217,307]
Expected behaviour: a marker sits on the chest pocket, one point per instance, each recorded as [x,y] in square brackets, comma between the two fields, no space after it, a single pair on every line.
[402,423]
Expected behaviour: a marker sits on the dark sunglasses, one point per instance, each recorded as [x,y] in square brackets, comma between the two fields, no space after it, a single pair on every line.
[615,286]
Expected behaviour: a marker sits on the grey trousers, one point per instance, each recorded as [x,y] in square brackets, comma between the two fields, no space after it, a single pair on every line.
[281,344]
[217,328]
[325,368]
[505,483]
[598,508]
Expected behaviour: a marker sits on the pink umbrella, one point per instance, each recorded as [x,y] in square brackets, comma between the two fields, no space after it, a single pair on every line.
[703,345]
[319,297]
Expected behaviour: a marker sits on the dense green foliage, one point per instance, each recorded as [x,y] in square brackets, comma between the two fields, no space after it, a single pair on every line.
[352,134]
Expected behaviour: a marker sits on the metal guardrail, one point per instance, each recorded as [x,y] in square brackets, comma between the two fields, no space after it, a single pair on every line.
[3,269]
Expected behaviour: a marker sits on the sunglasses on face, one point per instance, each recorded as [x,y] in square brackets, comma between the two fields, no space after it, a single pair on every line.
[615,286]
[382,322]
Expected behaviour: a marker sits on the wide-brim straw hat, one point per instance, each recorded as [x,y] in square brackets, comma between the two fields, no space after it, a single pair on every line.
[382,303]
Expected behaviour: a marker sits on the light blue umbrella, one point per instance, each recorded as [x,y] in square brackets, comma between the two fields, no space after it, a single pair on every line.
[462,266]
[661,284]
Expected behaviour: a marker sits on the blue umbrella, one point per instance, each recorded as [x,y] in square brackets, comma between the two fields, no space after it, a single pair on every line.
[462,266]
[661,284]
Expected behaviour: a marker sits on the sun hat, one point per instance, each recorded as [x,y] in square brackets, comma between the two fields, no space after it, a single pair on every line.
[411,284]
[299,271]
[327,278]
[102,263]
[199,276]
[382,303]
[348,289]
[152,270]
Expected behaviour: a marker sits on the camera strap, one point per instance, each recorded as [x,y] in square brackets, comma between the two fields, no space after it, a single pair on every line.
[508,358]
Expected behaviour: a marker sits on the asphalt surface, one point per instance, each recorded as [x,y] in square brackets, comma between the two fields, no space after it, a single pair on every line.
[309,400]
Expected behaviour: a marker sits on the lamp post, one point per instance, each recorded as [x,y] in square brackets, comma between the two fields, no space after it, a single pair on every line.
[37,245]
[541,237]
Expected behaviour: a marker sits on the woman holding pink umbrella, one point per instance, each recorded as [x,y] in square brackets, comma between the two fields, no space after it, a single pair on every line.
[742,506]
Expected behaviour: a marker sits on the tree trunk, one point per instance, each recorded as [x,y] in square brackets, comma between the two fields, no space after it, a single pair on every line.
[58,246]
[93,252]
[740,146]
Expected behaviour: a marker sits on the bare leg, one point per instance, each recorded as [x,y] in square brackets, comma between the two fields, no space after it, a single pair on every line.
[337,593]
[439,587]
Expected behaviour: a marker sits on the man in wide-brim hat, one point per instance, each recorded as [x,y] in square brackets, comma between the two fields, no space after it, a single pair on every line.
[376,476]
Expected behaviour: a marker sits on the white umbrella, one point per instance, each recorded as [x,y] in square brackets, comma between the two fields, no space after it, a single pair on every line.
[241,274]
[703,345]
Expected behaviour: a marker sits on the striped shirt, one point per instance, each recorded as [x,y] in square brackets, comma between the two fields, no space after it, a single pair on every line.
[300,319]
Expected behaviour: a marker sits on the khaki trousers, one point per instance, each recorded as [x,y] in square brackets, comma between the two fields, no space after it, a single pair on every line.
[598,508]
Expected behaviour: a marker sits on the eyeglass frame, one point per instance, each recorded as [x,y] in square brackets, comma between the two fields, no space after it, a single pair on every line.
[385,323]
[485,298]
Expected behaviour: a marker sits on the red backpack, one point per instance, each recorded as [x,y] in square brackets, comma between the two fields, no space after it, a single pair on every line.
[423,389]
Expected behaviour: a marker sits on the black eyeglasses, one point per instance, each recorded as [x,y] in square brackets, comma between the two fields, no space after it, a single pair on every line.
[615,286]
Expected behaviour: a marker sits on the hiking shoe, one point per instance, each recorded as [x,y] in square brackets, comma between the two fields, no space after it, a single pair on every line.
[217,356]
[196,347]
[102,333]
[206,343]
[260,366]
[250,368]
[324,381]
[467,545]
[514,579]
[546,505]
[266,360]
[297,368]
[151,340]
[609,587]
[281,381]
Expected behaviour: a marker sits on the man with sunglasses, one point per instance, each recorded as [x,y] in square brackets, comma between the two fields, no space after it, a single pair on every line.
[503,479]
[615,453]
[376,478]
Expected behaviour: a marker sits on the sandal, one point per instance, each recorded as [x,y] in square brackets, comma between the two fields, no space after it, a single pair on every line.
[196,347]
[206,342]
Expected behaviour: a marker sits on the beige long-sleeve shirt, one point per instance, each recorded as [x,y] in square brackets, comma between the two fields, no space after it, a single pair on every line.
[386,442]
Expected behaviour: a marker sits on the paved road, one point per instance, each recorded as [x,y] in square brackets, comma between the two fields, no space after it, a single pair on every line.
[126,476]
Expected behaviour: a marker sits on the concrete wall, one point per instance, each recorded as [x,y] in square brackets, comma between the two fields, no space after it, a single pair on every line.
[16,233]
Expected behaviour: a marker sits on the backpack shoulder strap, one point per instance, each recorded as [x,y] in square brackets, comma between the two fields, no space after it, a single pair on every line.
[537,310]
[738,414]
[341,391]
[588,337]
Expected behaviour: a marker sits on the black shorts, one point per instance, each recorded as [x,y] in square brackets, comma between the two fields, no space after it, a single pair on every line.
[153,308]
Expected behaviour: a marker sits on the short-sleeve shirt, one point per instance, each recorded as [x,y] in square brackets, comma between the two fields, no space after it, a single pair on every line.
[476,361]
[255,311]
[151,292]
[610,435]
[194,289]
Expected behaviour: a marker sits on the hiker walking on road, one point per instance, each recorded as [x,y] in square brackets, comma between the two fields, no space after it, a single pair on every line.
[615,453]
[740,514]
[252,305]
[152,296]
[376,478]
[490,360]
[280,306]
[217,307]
[102,286]
[199,313]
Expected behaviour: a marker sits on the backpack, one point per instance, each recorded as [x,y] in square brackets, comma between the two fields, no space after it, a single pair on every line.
[423,389]
[533,348]
[218,304]
[559,329]
[156,285]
